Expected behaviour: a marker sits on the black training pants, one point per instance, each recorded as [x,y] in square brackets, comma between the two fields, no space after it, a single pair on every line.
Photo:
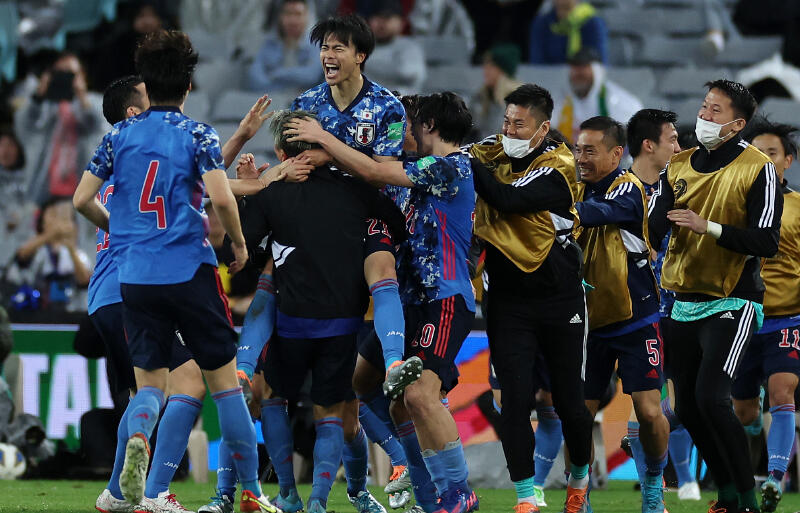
[704,356]
[518,329]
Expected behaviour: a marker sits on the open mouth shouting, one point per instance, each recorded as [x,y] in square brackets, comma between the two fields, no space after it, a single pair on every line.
[331,71]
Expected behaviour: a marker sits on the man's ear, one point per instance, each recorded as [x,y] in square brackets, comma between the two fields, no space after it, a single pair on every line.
[132,111]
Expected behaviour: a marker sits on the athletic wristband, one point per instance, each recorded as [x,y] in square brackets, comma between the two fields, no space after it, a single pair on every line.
[714,229]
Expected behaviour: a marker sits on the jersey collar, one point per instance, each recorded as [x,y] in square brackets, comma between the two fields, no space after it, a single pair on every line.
[164,108]
[364,88]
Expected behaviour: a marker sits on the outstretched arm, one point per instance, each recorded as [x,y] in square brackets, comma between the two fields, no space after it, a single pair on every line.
[248,126]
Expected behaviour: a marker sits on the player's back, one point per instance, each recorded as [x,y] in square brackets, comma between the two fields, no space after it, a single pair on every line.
[158,225]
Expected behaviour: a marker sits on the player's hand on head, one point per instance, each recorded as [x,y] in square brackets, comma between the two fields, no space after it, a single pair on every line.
[240,258]
[316,157]
[688,219]
[297,169]
[304,129]
[246,167]
[255,117]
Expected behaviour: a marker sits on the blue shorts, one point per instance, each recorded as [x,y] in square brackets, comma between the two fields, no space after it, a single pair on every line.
[197,308]
[640,358]
[767,354]
[541,377]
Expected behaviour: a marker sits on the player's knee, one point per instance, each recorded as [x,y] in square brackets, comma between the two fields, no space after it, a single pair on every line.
[649,413]
[366,378]
[746,412]
[781,388]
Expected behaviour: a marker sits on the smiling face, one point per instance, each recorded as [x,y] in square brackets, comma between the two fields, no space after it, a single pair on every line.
[594,158]
[340,61]
[772,146]
[718,108]
[667,144]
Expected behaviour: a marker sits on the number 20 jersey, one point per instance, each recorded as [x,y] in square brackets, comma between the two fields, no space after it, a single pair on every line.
[158,225]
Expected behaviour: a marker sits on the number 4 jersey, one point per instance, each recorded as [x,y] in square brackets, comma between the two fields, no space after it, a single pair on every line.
[158,225]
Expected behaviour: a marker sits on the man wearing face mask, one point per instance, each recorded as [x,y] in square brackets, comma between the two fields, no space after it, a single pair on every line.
[623,305]
[725,208]
[536,301]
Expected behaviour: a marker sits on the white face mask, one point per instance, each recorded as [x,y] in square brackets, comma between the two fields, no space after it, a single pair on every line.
[519,148]
[707,133]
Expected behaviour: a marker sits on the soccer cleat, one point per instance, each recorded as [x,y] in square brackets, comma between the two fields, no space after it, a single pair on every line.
[471,500]
[689,491]
[164,503]
[652,495]
[364,502]
[263,503]
[400,480]
[770,494]
[453,501]
[576,500]
[247,506]
[538,495]
[134,471]
[717,507]
[315,506]
[289,504]
[219,504]
[526,507]
[107,503]
[247,386]
[400,375]
[625,445]
[399,499]
[416,508]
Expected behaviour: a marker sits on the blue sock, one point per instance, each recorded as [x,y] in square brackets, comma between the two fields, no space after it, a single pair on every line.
[654,466]
[173,436]
[119,457]
[424,488]
[680,452]
[435,465]
[780,439]
[278,440]
[674,421]
[548,442]
[377,431]
[226,473]
[455,465]
[355,456]
[259,322]
[378,404]
[637,450]
[327,455]
[239,435]
[390,324]
[143,411]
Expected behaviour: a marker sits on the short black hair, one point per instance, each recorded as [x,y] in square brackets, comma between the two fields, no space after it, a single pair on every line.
[410,102]
[647,124]
[532,96]
[743,101]
[278,125]
[613,131]
[445,112]
[351,28]
[120,95]
[166,60]
[20,162]
[556,136]
[761,125]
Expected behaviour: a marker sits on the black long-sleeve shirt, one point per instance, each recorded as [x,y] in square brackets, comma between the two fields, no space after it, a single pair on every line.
[758,239]
[539,190]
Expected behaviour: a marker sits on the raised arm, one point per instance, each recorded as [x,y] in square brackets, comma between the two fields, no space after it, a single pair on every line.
[540,189]
[248,127]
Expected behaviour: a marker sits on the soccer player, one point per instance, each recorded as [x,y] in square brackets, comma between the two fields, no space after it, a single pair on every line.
[652,140]
[774,351]
[318,253]
[536,300]
[623,304]
[167,269]
[725,208]
[436,194]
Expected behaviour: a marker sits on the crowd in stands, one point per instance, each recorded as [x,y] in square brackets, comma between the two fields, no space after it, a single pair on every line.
[597,57]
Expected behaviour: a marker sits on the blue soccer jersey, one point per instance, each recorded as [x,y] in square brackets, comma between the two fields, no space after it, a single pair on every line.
[439,209]
[104,284]
[374,123]
[158,226]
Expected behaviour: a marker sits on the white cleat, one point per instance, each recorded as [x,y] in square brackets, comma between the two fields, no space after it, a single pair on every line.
[164,503]
[107,503]
[134,471]
[689,492]
[399,499]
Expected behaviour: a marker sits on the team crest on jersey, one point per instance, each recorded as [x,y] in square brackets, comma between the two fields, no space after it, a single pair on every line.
[365,133]
[680,188]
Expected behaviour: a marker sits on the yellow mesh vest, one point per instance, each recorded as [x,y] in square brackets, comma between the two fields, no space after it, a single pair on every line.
[696,263]
[525,239]
[781,273]
[605,264]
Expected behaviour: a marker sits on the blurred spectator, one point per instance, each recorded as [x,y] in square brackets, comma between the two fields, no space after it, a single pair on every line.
[366,8]
[571,25]
[59,110]
[287,60]
[443,18]
[500,21]
[51,261]
[231,24]
[590,94]
[499,68]
[15,208]
[398,62]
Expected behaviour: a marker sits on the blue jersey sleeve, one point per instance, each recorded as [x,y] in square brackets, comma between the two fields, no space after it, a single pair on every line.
[623,204]
[102,163]
[391,130]
[207,151]
[437,175]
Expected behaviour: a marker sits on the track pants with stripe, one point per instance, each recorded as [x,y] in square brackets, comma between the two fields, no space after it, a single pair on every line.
[519,329]
[705,355]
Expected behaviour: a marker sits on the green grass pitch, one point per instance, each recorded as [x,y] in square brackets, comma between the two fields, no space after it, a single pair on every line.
[79,496]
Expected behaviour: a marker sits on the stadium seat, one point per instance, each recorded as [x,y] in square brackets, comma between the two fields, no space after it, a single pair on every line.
[659,51]
[688,82]
[687,110]
[444,50]
[687,21]
[621,50]
[640,81]
[552,78]
[210,46]
[280,100]
[745,51]
[636,21]
[216,76]
[781,110]
[197,106]
[232,105]
[462,80]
